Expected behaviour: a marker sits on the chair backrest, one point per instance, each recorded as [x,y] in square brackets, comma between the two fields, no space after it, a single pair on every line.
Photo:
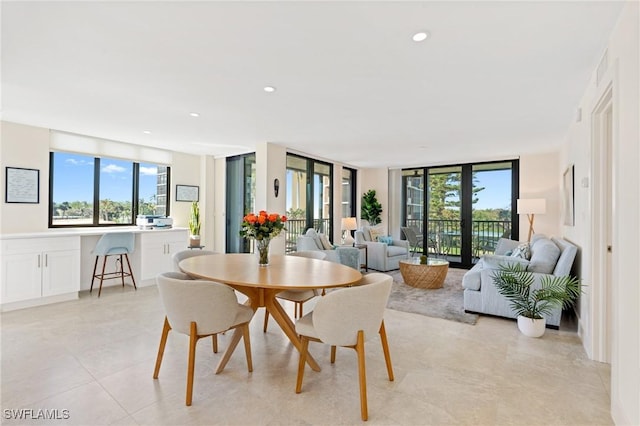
[185,254]
[339,315]
[211,305]
[115,243]
[410,235]
[310,254]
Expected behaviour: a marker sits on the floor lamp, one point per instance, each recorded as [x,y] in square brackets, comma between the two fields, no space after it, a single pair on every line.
[531,207]
[348,224]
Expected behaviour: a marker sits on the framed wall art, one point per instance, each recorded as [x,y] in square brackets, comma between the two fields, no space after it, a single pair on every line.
[187,193]
[22,185]
[568,196]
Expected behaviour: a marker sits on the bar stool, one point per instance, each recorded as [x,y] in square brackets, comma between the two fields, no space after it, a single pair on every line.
[114,244]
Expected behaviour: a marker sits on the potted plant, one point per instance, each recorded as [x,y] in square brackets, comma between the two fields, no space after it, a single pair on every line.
[515,283]
[194,225]
[371,208]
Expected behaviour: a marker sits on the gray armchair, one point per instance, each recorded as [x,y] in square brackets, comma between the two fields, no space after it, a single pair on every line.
[382,256]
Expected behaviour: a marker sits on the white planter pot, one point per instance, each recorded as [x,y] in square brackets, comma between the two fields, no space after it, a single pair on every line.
[531,327]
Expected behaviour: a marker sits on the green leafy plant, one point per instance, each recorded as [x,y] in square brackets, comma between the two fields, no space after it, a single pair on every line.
[194,220]
[514,282]
[371,208]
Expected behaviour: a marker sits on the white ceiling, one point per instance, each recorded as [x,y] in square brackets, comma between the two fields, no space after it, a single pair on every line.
[494,80]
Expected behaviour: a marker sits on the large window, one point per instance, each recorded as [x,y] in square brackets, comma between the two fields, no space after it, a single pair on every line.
[461,210]
[92,191]
[348,192]
[309,197]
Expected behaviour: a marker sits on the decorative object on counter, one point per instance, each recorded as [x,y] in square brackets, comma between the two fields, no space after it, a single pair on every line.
[194,225]
[262,228]
[371,208]
[530,302]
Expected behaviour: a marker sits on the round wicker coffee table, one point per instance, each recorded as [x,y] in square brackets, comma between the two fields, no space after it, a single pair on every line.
[428,275]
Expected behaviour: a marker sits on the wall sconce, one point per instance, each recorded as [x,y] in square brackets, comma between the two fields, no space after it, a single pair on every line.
[276,187]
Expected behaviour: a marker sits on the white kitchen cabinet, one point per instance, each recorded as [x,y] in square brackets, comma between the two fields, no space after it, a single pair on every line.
[157,249]
[34,268]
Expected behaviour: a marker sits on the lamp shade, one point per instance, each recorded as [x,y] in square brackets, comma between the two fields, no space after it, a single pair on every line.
[532,206]
[349,224]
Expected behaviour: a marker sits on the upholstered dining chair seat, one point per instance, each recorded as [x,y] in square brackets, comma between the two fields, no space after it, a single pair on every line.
[348,317]
[200,309]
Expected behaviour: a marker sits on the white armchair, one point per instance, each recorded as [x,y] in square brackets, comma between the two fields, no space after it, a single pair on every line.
[383,256]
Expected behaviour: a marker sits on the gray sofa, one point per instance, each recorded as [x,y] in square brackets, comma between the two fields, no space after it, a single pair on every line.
[345,255]
[549,256]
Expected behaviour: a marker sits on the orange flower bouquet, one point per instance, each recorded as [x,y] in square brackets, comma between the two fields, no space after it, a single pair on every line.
[262,227]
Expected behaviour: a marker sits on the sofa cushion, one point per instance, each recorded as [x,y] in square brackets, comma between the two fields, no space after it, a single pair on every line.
[376,233]
[567,255]
[504,245]
[544,256]
[386,239]
[326,244]
[471,279]
[494,261]
[396,251]
[522,251]
[316,238]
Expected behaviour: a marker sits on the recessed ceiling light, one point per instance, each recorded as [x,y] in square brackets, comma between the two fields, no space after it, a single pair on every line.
[194,114]
[146,132]
[269,89]
[421,36]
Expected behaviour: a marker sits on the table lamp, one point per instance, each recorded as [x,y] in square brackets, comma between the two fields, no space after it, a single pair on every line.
[348,224]
[531,207]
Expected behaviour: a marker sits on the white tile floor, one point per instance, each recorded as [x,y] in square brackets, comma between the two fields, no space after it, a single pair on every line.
[95,358]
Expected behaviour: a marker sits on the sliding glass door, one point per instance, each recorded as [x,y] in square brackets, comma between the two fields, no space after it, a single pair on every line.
[241,196]
[467,208]
[309,197]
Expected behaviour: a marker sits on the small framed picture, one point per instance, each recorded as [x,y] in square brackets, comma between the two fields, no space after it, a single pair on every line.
[22,185]
[187,193]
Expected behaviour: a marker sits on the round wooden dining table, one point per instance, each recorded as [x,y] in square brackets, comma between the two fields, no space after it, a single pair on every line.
[261,284]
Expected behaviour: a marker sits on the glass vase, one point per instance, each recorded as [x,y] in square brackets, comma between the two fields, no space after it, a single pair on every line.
[262,246]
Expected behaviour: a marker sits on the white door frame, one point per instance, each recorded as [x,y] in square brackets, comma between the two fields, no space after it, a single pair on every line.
[603,204]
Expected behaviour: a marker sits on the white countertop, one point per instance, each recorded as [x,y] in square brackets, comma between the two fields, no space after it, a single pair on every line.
[93,230]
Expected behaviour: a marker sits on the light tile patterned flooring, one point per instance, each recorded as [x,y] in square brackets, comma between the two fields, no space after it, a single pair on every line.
[95,358]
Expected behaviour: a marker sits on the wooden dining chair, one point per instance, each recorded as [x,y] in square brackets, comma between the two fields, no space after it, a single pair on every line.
[299,297]
[348,317]
[200,309]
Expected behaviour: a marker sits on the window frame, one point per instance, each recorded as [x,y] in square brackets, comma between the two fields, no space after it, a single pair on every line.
[135,191]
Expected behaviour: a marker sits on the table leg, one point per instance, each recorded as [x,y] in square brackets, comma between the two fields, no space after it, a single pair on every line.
[281,317]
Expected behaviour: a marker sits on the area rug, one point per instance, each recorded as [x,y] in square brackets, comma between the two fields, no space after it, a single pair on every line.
[445,302]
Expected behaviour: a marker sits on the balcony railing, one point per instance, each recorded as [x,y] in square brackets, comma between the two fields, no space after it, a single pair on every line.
[444,235]
[295,227]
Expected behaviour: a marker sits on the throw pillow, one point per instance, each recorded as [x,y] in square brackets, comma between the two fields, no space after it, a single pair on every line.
[326,244]
[316,237]
[523,251]
[375,233]
[386,239]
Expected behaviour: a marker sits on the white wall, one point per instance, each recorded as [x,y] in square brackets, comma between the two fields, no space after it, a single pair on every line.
[25,147]
[623,74]
[377,179]
[538,179]
[271,164]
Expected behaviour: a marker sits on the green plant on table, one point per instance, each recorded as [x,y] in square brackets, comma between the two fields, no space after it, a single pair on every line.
[194,219]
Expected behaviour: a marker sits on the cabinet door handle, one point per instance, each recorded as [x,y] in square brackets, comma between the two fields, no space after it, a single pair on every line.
[38,261]
[46,260]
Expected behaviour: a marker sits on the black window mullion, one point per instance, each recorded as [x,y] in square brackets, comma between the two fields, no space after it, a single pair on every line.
[96,191]
[135,202]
